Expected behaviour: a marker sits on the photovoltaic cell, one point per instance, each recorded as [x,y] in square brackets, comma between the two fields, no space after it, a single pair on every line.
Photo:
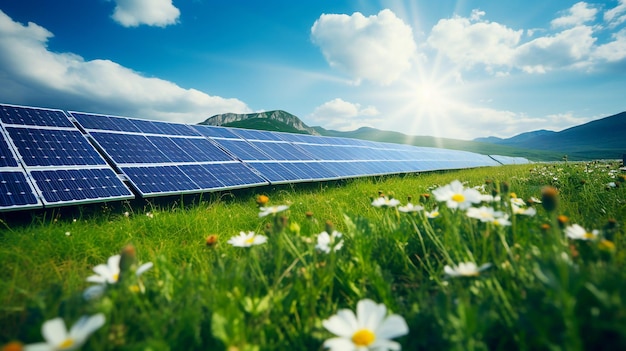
[33,116]
[215,132]
[53,147]
[6,156]
[53,163]
[202,150]
[129,148]
[243,150]
[235,174]
[101,122]
[16,192]
[64,186]
[250,134]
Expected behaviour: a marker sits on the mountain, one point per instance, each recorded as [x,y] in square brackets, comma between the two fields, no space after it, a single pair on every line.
[373,134]
[603,138]
[518,139]
[277,120]
[600,139]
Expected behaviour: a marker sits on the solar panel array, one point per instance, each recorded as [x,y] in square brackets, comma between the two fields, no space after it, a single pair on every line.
[51,158]
[48,161]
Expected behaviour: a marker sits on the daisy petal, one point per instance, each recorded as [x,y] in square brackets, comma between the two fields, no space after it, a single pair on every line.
[54,331]
[392,327]
[342,324]
[339,344]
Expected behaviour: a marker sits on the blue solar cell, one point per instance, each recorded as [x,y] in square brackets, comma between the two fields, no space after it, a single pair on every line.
[171,150]
[129,148]
[243,150]
[202,176]
[53,147]
[175,129]
[282,151]
[15,191]
[306,171]
[6,156]
[215,132]
[274,172]
[159,180]
[146,126]
[202,150]
[251,134]
[100,122]
[33,116]
[61,186]
[235,174]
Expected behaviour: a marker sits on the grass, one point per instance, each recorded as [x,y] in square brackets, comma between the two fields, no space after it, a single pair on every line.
[543,291]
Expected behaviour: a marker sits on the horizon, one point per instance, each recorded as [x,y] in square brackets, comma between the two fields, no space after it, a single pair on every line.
[455,69]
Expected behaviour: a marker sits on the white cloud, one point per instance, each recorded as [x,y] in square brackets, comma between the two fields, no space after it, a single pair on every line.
[28,70]
[132,13]
[562,50]
[342,115]
[467,42]
[378,48]
[471,41]
[576,15]
[616,15]
[615,50]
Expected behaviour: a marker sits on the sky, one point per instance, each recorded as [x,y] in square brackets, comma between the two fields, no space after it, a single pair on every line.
[458,69]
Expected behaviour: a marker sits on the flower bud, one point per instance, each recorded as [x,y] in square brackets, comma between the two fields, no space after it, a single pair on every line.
[549,198]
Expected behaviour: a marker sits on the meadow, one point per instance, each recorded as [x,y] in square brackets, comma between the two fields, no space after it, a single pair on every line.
[521,257]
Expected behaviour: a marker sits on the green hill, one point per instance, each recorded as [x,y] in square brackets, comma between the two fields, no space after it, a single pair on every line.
[603,138]
[281,121]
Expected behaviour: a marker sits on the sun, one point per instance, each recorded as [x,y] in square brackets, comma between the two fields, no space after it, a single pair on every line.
[430,98]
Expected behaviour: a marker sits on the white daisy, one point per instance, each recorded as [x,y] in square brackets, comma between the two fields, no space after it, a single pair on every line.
[385,202]
[410,208]
[465,269]
[483,213]
[370,329]
[530,211]
[577,232]
[58,338]
[110,272]
[247,240]
[272,210]
[457,196]
[327,241]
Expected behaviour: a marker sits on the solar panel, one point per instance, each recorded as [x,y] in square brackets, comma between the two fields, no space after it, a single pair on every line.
[15,192]
[47,161]
[509,160]
[53,147]
[29,116]
[160,158]
[215,132]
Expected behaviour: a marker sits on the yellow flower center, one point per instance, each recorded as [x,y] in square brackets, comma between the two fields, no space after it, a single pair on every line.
[116,277]
[250,240]
[589,235]
[363,337]
[66,343]
[458,198]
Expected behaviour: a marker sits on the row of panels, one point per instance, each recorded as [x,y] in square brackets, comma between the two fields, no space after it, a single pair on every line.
[51,158]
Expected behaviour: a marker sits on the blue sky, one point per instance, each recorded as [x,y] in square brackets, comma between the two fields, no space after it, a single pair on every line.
[456,69]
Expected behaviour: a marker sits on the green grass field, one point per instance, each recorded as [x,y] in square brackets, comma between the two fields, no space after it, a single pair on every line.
[542,285]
